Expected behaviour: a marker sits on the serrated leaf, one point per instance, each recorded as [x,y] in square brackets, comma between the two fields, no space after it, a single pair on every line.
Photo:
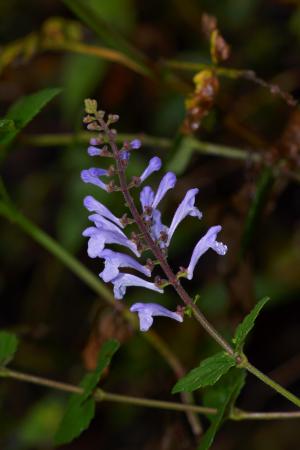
[24,110]
[222,396]
[81,408]
[206,374]
[248,323]
[8,347]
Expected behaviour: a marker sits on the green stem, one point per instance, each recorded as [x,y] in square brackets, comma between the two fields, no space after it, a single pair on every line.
[265,379]
[206,148]
[101,395]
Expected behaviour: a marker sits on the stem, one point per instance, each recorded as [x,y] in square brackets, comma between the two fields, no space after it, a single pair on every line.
[157,251]
[265,379]
[101,395]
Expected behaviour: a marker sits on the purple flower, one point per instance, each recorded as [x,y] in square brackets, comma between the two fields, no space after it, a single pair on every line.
[186,208]
[92,176]
[94,141]
[93,205]
[146,312]
[206,242]
[153,166]
[158,231]
[135,144]
[167,182]
[94,151]
[100,236]
[125,280]
[146,198]
[114,260]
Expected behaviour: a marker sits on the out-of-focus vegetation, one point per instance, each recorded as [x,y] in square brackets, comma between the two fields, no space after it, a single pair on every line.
[233,131]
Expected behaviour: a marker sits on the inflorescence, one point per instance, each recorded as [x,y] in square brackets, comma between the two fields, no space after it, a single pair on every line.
[152,235]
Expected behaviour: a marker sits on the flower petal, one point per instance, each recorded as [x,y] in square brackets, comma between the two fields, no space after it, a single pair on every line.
[153,166]
[114,260]
[167,182]
[146,312]
[124,280]
[186,208]
[206,242]
[99,237]
[146,198]
[92,204]
[158,230]
[94,151]
[92,176]
[135,144]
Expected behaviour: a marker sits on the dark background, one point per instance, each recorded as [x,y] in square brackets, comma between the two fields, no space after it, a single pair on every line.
[59,320]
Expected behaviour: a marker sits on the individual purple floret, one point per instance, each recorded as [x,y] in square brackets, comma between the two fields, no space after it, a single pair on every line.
[168,181]
[93,205]
[99,237]
[153,166]
[186,208]
[135,144]
[92,176]
[94,151]
[146,312]
[115,260]
[206,242]
[125,280]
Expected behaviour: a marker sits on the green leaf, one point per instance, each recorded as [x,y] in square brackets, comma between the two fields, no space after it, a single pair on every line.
[206,374]
[248,323]
[81,408]
[23,111]
[222,396]
[264,184]
[8,347]
[7,125]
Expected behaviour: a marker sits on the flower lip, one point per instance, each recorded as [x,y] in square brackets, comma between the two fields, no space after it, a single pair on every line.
[114,260]
[207,241]
[167,182]
[91,204]
[146,312]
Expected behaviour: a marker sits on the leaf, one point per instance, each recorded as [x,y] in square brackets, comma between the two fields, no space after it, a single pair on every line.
[81,407]
[207,374]
[222,396]
[248,323]
[93,15]
[264,185]
[23,111]
[8,347]
[6,125]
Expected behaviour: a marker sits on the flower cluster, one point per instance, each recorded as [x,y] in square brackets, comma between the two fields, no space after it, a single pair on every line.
[108,229]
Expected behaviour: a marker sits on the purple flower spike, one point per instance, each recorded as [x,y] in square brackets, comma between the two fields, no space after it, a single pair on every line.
[153,166]
[135,144]
[167,182]
[92,176]
[114,260]
[146,197]
[146,312]
[93,205]
[100,236]
[125,280]
[206,242]
[186,208]
[94,151]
